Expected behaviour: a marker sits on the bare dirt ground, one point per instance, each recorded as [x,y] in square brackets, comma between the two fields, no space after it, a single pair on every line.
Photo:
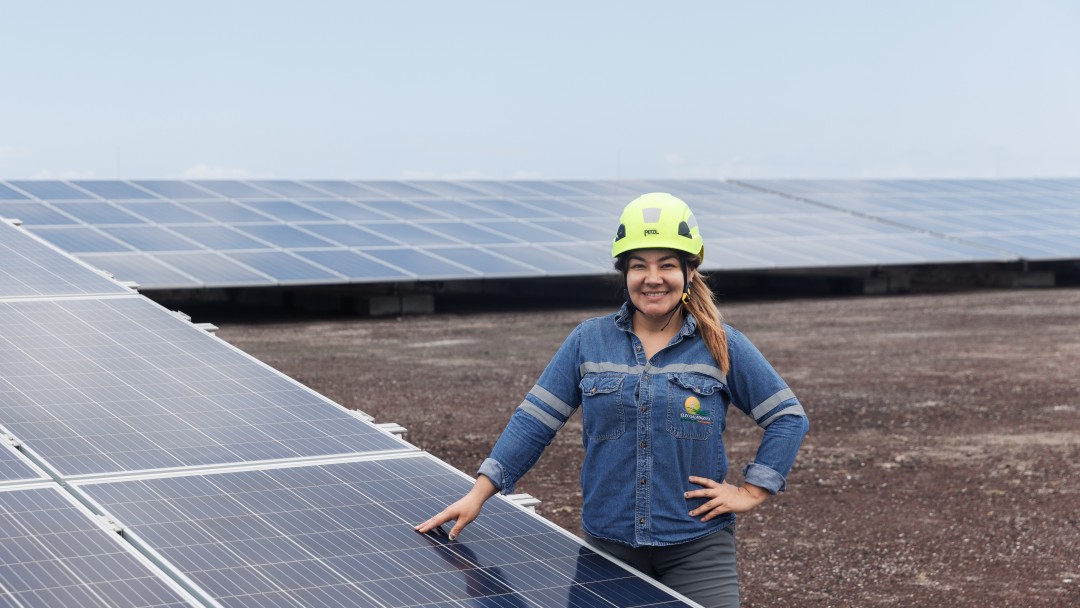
[942,466]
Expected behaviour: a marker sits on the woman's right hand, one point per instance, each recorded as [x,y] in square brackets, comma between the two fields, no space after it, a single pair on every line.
[464,511]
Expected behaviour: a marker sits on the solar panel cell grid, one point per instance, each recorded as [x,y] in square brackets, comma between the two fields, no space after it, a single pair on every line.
[345,531]
[54,555]
[31,268]
[94,386]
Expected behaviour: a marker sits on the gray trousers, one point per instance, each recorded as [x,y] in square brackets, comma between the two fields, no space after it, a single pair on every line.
[703,570]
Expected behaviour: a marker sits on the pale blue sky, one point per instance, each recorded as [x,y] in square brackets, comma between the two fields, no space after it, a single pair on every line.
[322,89]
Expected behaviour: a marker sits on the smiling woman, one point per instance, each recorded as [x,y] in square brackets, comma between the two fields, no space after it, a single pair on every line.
[654,382]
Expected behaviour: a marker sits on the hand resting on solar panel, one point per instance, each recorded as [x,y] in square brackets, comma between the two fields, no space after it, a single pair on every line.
[464,511]
[654,382]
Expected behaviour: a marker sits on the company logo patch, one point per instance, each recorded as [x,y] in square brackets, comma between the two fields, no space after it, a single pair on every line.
[694,413]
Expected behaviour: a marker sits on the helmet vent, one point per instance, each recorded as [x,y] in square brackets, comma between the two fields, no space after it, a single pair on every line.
[651,215]
[684,230]
[621,232]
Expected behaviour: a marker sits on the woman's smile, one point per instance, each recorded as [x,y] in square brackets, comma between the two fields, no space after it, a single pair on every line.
[654,279]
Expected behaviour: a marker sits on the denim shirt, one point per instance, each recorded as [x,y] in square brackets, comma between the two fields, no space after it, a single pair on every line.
[648,425]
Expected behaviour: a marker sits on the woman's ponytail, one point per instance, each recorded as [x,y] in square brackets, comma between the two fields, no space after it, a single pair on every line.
[702,304]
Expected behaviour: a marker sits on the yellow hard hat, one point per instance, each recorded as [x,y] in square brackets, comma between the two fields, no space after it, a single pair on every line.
[658,220]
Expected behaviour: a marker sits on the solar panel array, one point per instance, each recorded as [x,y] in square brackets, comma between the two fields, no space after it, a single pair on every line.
[232,484]
[1037,220]
[196,234]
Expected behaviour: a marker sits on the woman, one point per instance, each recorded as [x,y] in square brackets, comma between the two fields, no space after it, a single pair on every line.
[654,382]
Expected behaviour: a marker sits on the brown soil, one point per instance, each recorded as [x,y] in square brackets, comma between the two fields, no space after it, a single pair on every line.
[942,467]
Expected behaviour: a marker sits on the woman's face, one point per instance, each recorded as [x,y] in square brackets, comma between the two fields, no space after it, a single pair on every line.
[654,280]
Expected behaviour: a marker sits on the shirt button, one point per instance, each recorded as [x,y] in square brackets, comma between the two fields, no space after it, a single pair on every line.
[639,348]
[644,444]
[642,481]
[641,521]
[644,408]
[646,378]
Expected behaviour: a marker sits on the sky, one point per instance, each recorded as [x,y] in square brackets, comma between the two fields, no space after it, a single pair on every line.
[574,90]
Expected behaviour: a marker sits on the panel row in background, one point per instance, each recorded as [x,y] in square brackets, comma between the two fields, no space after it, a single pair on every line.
[116,384]
[130,190]
[441,230]
[1034,219]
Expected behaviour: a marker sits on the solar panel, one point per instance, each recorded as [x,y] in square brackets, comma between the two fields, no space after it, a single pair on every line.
[111,189]
[548,260]
[221,238]
[9,194]
[288,188]
[345,189]
[32,268]
[287,211]
[413,234]
[226,211]
[342,534]
[80,239]
[407,211]
[34,214]
[354,265]
[54,554]
[15,468]
[142,269]
[150,238]
[394,188]
[284,236]
[120,384]
[349,210]
[50,190]
[233,189]
[291,216]
[213,270]
[98,213]
[421,264]
[485,262]
[162,212]
[285,267]
[175,189]
[348,235]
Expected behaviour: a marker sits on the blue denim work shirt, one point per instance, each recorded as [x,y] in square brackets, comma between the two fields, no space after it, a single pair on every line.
[648,425]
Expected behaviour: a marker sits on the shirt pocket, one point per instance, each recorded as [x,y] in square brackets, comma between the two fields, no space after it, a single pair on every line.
[601,406]
[691,405]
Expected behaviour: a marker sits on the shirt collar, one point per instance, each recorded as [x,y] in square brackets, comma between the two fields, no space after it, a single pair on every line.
[626,313]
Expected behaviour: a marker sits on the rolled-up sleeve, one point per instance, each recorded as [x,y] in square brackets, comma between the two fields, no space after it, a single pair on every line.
[543,411]
[759,391]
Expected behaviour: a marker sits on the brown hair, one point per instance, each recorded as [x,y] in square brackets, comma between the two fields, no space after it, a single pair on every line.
[701,304]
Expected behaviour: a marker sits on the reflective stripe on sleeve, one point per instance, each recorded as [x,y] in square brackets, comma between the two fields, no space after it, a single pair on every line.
[779,397]
[547,397]
[794,410]
[545,418]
